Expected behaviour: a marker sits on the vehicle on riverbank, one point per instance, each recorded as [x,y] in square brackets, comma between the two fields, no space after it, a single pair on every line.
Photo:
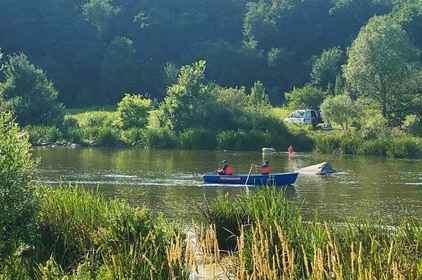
[307,116]
[277,179]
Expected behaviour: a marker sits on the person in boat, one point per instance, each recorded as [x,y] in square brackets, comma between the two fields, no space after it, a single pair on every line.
[226,169]
[265,167]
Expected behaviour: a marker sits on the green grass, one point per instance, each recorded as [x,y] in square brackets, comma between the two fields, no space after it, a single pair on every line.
[82,233]
[273,242]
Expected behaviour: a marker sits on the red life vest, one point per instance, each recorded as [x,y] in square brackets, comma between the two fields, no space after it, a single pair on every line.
[265,170]
[228,170]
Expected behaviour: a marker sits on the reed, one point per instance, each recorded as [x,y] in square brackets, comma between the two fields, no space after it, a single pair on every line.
[80,228]
[277,244]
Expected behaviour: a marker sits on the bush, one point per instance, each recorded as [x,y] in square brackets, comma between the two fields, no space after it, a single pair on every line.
[44,134]
[159,138]
[407,147]
[198,139]
[133,111]
[226,140]
[134,136]
[71,130]
[18,205]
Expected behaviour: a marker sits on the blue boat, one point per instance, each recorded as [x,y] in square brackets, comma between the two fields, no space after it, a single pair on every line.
[277,179]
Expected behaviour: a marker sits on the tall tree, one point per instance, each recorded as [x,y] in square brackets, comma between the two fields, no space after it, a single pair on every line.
[181,107]
[382,65]
[118,71]
[100,14]
[29,94]
[258,96]
[307,97]
[326,67]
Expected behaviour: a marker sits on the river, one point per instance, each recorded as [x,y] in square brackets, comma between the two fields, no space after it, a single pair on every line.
[170,180]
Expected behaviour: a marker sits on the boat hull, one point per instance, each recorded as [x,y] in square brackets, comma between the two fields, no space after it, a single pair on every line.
[277,179]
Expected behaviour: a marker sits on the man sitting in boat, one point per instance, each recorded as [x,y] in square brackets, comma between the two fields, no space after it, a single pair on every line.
[226,169]
[265,167]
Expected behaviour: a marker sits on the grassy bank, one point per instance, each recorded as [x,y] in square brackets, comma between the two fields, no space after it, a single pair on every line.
[100,128]
[81,235]
[269,240]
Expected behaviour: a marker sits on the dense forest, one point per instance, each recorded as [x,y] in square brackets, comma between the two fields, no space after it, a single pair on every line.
[94,51]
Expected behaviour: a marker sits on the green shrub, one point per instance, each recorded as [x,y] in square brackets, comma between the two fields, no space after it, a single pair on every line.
[328,144]
[72,132]
[133,111]
[106,137]
[44,134]
[226,140]
[197,138]
[18,204]
[405,147]
[377,147]
[134,136]
[159,138]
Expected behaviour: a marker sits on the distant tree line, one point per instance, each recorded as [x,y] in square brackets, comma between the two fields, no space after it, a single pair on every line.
[301,52]
[94,51]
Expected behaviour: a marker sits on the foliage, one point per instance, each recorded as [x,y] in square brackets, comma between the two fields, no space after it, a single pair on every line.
[197,138]
[184,100]
[94,127]
[307,97]
[381,65]
[326,68]
[159,138]
[339,109]
[99,13]
[81,231]
[133,111]
[18,204]
[272,241]
[258,97]
[119,71]
[43,134]
[28,94]
[242,41]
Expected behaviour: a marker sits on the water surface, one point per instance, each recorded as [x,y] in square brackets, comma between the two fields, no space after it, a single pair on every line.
[170,180]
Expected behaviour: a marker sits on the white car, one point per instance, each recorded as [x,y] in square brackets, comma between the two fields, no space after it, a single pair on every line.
[307,116]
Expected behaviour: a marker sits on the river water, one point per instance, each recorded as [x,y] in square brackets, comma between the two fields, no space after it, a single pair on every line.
[170,181]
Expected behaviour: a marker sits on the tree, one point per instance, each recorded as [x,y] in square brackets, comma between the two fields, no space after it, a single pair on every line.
[326,68]
[382,65]
[133,111]
[17,199]
[182,106]
[307,97]
[339,109]
[258,96]
[28,94]
[99,13]
[118,71]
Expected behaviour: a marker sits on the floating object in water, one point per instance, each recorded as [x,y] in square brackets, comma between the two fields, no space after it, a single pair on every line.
[322,168]
[268,150]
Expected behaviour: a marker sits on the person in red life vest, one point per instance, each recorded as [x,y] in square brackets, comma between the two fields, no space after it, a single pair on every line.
[290,149]
[226,169]
[265,167]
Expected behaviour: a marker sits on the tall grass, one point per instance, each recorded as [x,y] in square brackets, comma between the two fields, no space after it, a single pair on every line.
[398,147]
[84,236]
[110,239]
[274,243]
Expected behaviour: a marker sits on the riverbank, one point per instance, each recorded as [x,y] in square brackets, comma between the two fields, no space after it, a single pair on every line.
[99,129]
[81,235]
